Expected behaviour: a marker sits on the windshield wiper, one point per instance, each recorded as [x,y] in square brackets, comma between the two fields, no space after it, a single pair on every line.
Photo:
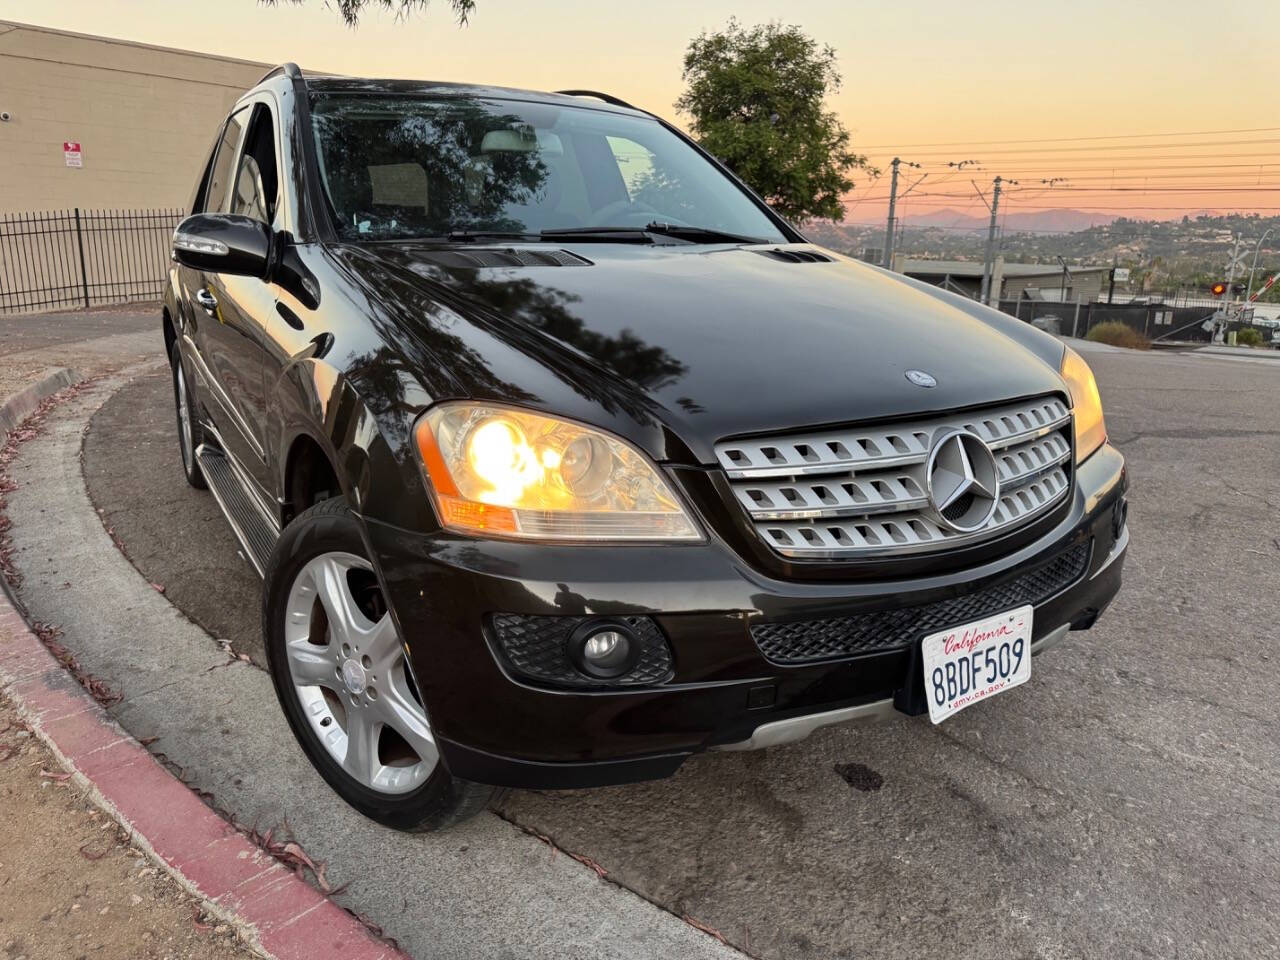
[698,234]
[468,236]
[606,234]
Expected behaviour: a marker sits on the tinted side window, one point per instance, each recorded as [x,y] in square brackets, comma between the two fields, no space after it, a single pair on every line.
[216,196]
[256,190]
[196,203]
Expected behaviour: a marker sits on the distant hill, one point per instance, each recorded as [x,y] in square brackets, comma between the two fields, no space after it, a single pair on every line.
[1057,221]
[854,236]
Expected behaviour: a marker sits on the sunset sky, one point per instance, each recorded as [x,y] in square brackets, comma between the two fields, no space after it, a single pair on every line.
[1149,109]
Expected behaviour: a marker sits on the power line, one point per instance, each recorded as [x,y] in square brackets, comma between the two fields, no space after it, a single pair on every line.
[1124,146]
[1115,136]
[1195,190]
[1244,168]
[1172,156]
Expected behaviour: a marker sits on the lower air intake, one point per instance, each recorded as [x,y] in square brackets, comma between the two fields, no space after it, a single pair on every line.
[883,631]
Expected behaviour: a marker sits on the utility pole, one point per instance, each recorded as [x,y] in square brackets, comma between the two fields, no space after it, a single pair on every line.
[893,202]
[1256,249]
[892,228]
[988,262]
[890,232]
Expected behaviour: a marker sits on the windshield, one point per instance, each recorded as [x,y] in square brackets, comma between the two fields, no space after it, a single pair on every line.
[402,166]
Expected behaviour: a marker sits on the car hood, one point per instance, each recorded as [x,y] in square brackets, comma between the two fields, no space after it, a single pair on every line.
[678,346]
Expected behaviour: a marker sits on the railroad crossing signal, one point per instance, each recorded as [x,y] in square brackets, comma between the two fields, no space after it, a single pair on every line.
[1218,289]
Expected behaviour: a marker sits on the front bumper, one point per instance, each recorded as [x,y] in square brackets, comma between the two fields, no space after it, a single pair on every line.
[493,727]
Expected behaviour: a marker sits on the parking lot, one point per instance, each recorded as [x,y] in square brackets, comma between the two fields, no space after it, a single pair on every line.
[1122,803]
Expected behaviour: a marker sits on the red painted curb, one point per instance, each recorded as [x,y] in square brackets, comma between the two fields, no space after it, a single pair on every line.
[286,918]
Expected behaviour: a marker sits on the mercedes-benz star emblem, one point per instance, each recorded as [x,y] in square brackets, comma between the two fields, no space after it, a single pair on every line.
[922,379]
[963,480]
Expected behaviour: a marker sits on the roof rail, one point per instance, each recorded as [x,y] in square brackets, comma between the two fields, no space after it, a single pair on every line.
[607,98]
[290,70]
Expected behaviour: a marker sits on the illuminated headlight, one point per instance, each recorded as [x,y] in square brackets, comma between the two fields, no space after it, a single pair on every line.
[1086,404]
[494,470]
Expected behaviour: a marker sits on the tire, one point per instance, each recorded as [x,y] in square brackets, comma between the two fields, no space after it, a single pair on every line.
[344,684]
[190,435]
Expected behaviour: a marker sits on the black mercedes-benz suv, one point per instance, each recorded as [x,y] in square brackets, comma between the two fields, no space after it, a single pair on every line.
[563,457]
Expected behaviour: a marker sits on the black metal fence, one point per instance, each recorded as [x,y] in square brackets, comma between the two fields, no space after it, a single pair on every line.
[82,258]
[1154,321]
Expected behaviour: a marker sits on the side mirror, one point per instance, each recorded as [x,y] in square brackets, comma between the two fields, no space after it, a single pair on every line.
[223,243]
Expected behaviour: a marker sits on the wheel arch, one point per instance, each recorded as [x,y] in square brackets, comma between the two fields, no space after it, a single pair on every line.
[325,422]
[170,332]
[309,476]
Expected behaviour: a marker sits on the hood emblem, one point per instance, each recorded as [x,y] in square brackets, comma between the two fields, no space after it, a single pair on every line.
[962,480]
[922,379]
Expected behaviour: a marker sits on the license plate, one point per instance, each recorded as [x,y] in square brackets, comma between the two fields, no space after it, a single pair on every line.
[975,661]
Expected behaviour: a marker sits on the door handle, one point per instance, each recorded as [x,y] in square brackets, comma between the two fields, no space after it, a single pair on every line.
[207,300]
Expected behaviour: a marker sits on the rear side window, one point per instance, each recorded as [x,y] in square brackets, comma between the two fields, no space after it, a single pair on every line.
[215,198]
[256,189]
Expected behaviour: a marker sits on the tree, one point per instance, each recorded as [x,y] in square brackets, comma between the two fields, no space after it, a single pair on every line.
[350,10]
[756,99]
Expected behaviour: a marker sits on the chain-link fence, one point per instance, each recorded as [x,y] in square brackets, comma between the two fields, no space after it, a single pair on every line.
[82,258]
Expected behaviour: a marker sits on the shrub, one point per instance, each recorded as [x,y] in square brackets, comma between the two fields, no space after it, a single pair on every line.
[1118,335]
[1249,337]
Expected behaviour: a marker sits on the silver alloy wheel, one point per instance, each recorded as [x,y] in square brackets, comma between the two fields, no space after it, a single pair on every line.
[184,418]
[349,674]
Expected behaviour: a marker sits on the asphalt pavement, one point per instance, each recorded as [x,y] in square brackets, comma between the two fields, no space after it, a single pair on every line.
[1123,803]
[88,341]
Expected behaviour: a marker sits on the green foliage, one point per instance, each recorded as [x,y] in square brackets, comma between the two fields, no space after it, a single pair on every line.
[350,10]
[756,100]
[1118,335]
[1249,337]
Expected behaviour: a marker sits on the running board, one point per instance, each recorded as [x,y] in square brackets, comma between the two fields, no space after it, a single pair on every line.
[256,532]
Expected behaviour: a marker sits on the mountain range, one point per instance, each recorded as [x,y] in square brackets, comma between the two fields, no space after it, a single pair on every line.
[1056,221]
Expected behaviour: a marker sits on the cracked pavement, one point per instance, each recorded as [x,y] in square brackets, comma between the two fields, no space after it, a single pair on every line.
[1121,803]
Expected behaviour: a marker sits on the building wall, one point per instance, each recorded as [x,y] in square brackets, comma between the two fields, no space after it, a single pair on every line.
[1086,285]
[144,116]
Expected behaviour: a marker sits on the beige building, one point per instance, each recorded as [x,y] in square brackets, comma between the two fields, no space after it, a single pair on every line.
[143,117]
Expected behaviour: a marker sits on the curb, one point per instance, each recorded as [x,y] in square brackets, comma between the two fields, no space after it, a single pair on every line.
[18,407]
[278,913]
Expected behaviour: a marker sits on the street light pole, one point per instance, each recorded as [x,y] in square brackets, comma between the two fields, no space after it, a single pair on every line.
[1256,247]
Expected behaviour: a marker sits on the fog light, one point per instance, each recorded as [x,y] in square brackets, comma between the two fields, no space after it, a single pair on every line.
[600,646]
[1119,517]
[604,650]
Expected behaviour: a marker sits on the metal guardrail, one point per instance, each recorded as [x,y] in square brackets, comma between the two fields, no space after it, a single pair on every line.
[82,258]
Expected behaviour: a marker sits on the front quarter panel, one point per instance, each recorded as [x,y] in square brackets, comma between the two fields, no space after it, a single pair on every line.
[342,379]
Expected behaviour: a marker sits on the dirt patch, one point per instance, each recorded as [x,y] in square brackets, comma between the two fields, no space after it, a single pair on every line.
[71,885]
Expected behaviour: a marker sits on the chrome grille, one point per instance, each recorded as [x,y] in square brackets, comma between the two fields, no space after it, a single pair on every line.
[862,491]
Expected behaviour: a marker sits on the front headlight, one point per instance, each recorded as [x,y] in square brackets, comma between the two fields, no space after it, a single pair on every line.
[494,470]
[1091,431]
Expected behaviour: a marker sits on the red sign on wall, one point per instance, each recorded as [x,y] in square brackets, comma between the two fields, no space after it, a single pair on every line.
[71,151]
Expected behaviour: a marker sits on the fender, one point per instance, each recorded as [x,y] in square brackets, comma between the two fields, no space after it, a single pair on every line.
[321,403]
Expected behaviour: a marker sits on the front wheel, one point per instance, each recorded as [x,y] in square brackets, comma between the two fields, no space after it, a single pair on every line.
[344,682]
